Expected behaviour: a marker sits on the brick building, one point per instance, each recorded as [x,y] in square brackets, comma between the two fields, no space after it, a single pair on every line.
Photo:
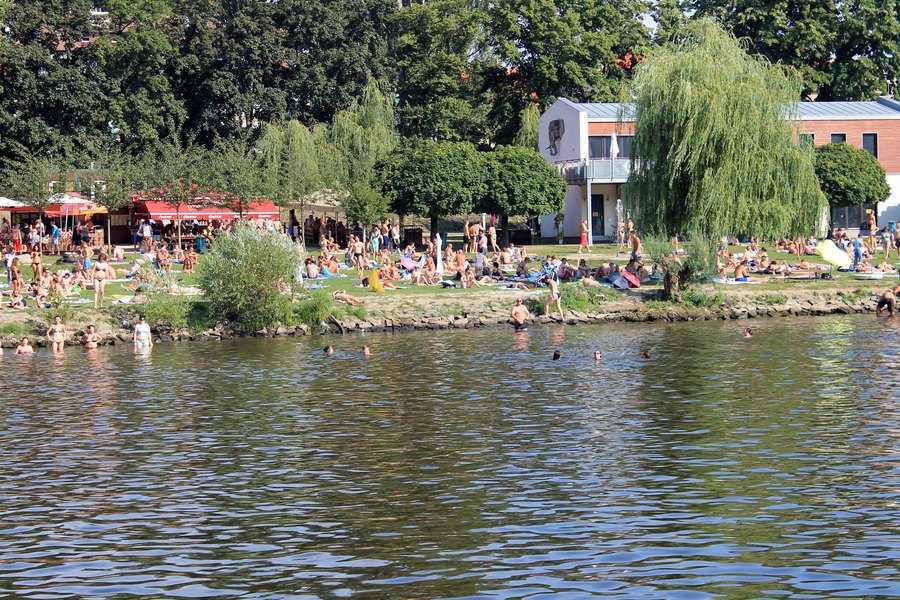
[593,152]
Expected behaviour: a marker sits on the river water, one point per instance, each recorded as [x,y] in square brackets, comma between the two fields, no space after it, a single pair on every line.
[461,464]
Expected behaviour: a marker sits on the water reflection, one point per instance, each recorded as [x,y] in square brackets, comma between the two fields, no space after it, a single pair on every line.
[460,464]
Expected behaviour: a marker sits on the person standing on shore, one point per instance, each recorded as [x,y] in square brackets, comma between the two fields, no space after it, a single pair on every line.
[555,296]
[465,235]
[583,243]
[858,245]
[520,315]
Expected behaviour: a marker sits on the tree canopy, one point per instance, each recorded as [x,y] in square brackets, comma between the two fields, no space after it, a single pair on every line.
[520,184]
[850,176]
[717,155]
[843,50]
[433,179]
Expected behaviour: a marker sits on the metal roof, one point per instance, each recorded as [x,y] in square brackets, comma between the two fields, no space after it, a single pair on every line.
[883,108]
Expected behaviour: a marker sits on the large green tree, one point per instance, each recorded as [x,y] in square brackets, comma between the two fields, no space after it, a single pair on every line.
[850,176]
[433,179]
[579,49]
[32,181]
[717,155]
[439,86]
[844,50]
[363,135]
[520,183]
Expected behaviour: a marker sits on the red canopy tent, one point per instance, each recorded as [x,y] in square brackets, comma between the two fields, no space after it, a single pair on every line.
[163,211]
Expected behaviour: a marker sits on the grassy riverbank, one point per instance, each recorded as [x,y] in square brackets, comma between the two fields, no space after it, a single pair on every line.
[434,306]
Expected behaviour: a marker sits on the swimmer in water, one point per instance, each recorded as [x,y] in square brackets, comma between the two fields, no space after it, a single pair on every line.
[366,351]
[598,355]
[91,339]
[747,333]
[888,300]
[557,355]
[328,350]
[646,354]
[520,315]
[24,347]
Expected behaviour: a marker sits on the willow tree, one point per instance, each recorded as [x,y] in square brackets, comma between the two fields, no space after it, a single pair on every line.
[297,161]
[527,136]
[364,135]
[715,134]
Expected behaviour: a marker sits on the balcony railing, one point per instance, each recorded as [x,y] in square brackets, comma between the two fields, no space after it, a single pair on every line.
[613,170]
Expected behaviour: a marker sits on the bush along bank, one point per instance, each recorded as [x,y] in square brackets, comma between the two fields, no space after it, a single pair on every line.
[479,315]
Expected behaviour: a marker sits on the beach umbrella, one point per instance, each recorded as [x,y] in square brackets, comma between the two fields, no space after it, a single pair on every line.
[832,254]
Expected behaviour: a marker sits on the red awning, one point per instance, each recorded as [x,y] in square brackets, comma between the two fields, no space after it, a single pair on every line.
[264,209]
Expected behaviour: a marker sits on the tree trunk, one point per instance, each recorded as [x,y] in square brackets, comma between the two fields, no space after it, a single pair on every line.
[504,231]
[434,220]
[671,287]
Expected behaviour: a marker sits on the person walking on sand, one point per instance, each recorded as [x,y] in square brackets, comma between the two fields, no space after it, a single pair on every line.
[520,315]
[555,296]
[583,243]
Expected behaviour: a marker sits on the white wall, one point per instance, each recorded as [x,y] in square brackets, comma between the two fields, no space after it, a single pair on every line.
[574,214]
[573,143]
[889,210]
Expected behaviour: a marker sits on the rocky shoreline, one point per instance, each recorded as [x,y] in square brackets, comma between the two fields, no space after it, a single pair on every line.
[487,315]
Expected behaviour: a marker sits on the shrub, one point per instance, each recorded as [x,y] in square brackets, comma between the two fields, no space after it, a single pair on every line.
[314,309]
[243,276]
[701,300]
[680,272]
[16,329]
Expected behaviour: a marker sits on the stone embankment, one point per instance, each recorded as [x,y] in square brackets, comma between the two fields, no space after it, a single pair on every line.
[494,314]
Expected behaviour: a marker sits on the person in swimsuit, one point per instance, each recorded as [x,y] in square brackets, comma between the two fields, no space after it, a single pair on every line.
[100,275]
[598,355]
[15,276]
[56,333]
[91,339]
[24,347]
[37,258]
[555,296]
[888,300]
[190,259]
[142,337]
[583,242]
[519,314]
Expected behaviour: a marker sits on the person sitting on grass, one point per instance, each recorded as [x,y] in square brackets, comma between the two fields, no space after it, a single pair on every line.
[470,281]
[312,269]
[342,296]
[16,301]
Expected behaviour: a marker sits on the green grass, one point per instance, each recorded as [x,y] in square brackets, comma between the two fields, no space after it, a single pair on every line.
[17,329]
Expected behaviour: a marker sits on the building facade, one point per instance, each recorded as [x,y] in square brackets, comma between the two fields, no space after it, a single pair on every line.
[592,148]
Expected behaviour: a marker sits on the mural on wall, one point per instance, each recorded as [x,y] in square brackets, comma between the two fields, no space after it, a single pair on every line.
[555,131]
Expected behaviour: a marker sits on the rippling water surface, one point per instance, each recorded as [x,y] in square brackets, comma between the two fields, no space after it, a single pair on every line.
[461,464]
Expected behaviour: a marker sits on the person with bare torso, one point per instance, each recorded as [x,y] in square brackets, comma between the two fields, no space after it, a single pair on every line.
[56,333]
[520,315]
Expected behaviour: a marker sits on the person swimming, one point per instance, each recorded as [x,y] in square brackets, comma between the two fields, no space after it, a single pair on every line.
[646,354]
[748,333]
[328,350]
[557,355]
[598,355]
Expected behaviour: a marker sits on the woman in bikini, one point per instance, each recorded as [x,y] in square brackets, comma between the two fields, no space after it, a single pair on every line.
[37,259]
[56,333]
[24,347]
[91,339]
[15,276]
[100,275]
[142,337]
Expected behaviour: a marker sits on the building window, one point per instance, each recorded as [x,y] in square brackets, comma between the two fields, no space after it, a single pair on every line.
[807,140]
[838,138]
[600,146]
[870,143]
